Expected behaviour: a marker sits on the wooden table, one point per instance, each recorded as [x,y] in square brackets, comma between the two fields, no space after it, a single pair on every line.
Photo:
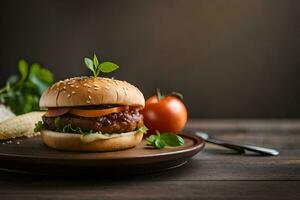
[215,173]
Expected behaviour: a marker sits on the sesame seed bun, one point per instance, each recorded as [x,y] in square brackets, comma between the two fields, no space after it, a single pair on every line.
[88,91]
[72,142]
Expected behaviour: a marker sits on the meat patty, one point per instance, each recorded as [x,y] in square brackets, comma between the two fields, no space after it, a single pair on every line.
[126,121]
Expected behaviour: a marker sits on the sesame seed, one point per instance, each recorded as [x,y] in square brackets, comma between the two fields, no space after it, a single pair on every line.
[69,95]
[73,92]
[96,88]
[64,88]
[125,92]
[77,86]
[89,91]
[88,101]
[106,87]
[72,86]
[90,97]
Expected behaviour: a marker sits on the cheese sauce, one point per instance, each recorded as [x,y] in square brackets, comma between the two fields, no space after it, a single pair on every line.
[99,136]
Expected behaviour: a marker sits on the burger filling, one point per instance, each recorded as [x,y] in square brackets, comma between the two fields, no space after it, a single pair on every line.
[125,121]
[114,124]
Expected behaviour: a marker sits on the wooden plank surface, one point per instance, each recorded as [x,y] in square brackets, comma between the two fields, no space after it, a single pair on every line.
[215,173]
[151,190]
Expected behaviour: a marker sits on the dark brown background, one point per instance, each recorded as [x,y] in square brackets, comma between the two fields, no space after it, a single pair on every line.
[230,58]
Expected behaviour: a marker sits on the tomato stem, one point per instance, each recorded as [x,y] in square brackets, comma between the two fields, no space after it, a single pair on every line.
[158,94]
[177,94]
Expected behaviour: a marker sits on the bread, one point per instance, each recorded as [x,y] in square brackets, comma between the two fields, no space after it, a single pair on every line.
[73,142]
[20,126]
[5,113]
[88,91]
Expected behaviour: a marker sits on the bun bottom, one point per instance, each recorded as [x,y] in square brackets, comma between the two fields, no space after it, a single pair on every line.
[72,142]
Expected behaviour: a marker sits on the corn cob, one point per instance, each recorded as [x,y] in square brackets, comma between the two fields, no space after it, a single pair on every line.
[20,126]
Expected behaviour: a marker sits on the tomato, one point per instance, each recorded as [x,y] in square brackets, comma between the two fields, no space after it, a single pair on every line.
[54,112]
[168,114]
[97,113]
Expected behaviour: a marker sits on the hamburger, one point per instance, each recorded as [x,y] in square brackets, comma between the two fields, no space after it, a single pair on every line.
[92,114]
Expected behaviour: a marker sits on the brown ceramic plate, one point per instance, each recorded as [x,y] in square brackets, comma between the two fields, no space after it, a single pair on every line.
[30,155]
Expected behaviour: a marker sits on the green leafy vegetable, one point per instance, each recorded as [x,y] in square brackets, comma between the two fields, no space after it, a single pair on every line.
[96,67]
[23,68]
[41,77]
[151,139]
[96,62]
[172,139]
[89,63]
[142,129]
[107,67]
[22,93]
[69,129]
[60,127]
[165,139]
[39,126]
[159,143]
[58,123]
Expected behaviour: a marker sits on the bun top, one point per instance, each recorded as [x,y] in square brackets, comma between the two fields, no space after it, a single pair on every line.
[89,91]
